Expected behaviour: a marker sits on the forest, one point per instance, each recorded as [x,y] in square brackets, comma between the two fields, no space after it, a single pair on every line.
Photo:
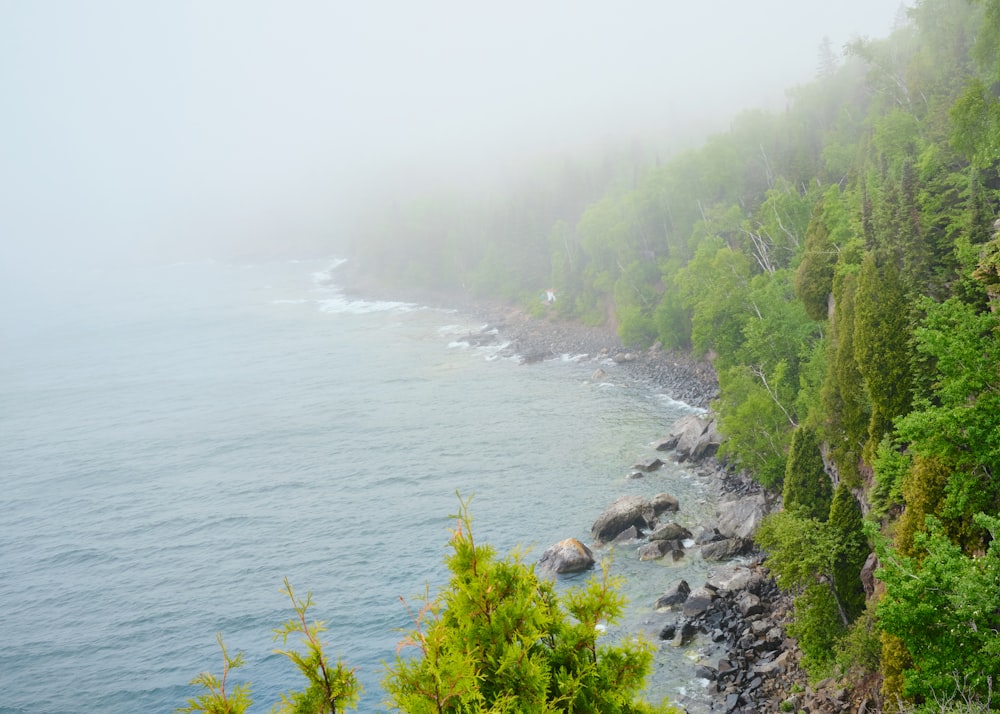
[839,264]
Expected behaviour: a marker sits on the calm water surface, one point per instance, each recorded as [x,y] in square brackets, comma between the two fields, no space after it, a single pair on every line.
[177,440]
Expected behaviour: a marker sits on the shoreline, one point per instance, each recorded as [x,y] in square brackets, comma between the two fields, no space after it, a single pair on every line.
[677,374]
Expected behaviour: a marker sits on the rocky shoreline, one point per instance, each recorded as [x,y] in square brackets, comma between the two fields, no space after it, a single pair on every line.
[739,613]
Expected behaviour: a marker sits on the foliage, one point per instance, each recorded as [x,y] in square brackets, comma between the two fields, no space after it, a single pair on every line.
[331,688]
[943,609]
[499,639]
[881,349]
[852,550]
[215,699]
[807,488]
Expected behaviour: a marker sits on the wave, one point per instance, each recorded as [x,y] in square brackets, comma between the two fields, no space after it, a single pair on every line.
[344,305]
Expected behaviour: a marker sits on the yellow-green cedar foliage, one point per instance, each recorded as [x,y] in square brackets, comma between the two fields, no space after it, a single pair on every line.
[499,639]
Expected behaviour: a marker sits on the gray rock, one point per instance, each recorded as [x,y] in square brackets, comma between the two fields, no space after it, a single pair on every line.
[624,513]
[674,596]
[670,531]
[708,534]
[749,604]
[648,465]
[654,550]
[663,502]
[739,518]
[698,601]
[693,438]
[730,577]
[628,535]
[724,549]
[566,556]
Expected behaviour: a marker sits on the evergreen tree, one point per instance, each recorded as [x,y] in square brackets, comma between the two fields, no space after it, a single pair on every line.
[807,488]
[881,349]
[499,639]
[846,522]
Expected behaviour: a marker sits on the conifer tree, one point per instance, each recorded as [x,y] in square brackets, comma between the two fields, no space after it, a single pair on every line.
[846,522]
[844,402]
[807,489]
[881,349]
[499,639]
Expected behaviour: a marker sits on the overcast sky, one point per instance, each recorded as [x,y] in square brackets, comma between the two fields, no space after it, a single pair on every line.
[160,128]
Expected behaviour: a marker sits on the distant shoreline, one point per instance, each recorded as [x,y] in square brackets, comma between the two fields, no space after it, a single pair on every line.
[677,374]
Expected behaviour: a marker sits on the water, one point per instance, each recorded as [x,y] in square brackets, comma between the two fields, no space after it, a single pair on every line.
[177,440]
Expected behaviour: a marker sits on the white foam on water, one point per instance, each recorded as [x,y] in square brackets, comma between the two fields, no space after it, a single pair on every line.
[343,305]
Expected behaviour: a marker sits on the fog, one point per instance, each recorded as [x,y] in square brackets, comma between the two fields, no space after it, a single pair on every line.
[160,131]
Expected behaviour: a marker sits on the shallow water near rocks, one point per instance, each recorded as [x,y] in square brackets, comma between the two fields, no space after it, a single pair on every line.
[179,439]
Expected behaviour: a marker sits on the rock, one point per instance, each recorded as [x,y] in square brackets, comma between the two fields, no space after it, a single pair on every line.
[693,438]
[624,513]
[654,550]
[648,465]
[725,549]
[684,633]
[730,577]
[633,475]
[598,375]
[707,535]
[868,574]
[749,604]
[702,671]
[663,502]
[739,518]
[674,596]
[698,602]
[629,534]
[566,556]
[670,531]
[666,443]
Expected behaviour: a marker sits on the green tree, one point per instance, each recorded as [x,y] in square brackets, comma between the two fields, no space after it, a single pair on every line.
[499,639]
[331,688]
[802,553]
[846,522]
[215,699]
[943,607]
[881,349]
[807,487]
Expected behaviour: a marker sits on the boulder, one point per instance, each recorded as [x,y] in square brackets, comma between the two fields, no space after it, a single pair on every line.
[708,534]
[730,577]
[670,531]
[724,549]
[566,556]
[698,601]
[655,550]
[662,502]
[674,596]
[624,513]
[693,438]
[647,465]
[628,535]
[739,518]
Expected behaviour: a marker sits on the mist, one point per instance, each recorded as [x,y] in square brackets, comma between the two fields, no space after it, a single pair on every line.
[156,132]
